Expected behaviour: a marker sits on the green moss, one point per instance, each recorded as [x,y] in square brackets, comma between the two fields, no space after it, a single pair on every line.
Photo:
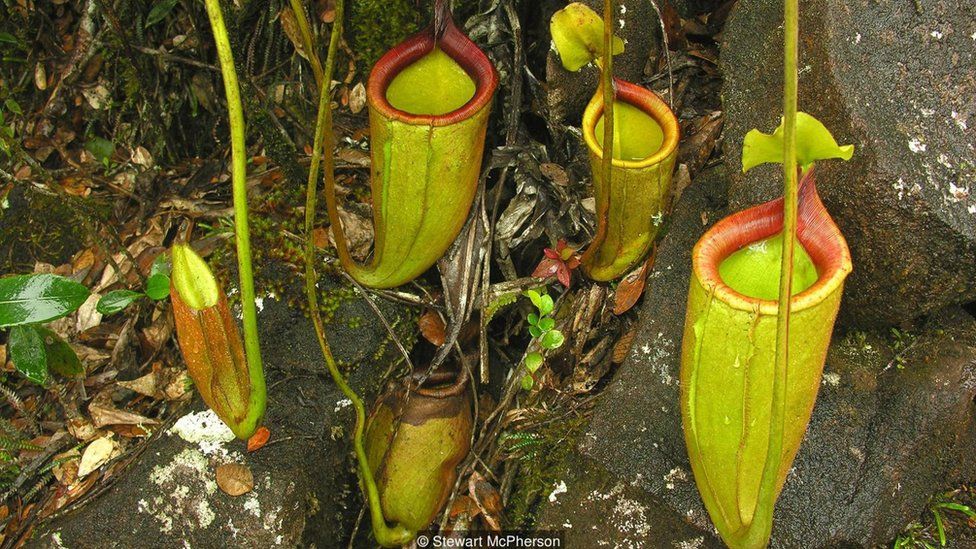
[378,25]
[541,457]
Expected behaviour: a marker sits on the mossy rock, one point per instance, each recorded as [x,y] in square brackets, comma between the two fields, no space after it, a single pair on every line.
[36,227]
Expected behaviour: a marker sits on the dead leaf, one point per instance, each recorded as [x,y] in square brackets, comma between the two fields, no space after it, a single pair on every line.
[432,327]
[82,262]
[464,505]
[103,415]
[81,428]
[320,237]
[357,98]
[235,479]
[76,186]
[359,233]
[632,286]
[66,470]
[161,384]
[555,173]
[142,157]
[328,12]
[290,25]
[88,315]
[258,439]
[488,499]
[622,348]
[355,157]
[129,431]
[98,453]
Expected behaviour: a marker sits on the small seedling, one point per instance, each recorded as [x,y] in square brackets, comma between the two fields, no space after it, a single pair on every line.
[157,289]
[559,262]
[543,332]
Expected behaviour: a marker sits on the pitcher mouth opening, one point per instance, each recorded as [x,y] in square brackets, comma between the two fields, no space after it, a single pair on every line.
[458,47]
[816,231]
[648,102]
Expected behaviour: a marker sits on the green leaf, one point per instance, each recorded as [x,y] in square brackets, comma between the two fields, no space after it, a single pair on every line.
[161,265]
[12,106]
[535,331]
[940,527]
[813,142]
[532,319]
[157,287]
[577,33]
[116,300]
[967,510]
[160,11]
[534,297]
[552,340]
[101,149]
[193,279]
[527,382]
[545,305]
[533,361]
[61,358]
[27,353]
[7,38]
[28,299]
[546,324]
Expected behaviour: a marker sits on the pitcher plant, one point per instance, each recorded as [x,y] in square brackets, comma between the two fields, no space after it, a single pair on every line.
[631,186]
[416,436]
[429,99]
[229,384]
[728,351]
[765,289]
[629,205]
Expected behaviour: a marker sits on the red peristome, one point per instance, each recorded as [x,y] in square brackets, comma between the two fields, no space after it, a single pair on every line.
[455,44]
[816,230]
[214,356]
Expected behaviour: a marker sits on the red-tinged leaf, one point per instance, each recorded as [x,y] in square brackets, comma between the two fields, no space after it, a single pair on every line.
[550,253]
[563,275]
[258,439]
[432,327]
[546,268]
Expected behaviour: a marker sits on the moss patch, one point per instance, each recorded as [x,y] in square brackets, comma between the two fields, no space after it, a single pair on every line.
[36,227]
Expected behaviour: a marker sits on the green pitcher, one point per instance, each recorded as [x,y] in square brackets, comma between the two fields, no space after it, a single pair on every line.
[429,99]
[728,355]
[629,207]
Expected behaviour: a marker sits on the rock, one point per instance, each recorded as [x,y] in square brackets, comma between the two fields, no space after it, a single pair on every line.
[169,494]
[894,424]
[569,92]
[897,83]
[635,435]
[594,508]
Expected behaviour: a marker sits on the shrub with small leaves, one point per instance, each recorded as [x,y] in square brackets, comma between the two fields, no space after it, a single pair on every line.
[543,332]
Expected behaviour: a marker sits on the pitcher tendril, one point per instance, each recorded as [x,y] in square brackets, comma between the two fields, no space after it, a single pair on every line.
[322,148]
